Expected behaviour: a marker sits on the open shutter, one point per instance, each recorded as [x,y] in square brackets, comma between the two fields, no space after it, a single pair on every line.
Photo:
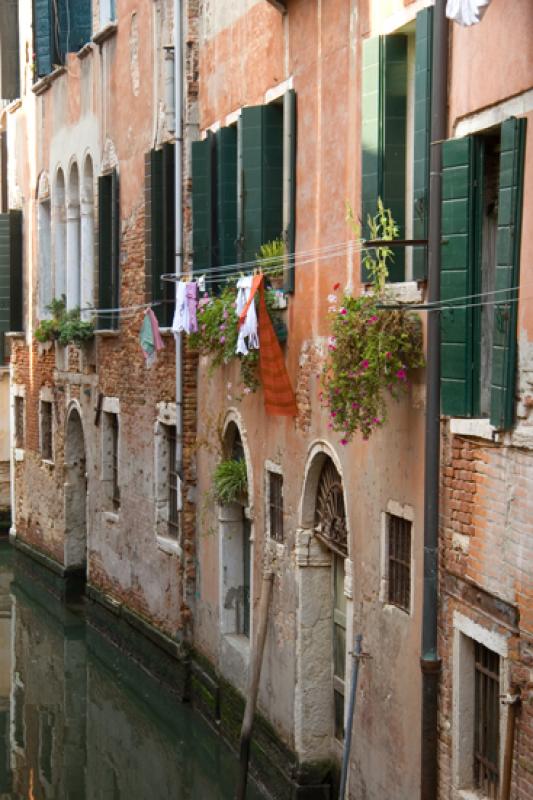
[203,207]
[10,276]
[43,36]
[75,23]
[289,183]
[160,229]
[507,272]
[108,249]
[384,134]
[422,136]
[262,166]
[226,169]
[164,289]
[457,277]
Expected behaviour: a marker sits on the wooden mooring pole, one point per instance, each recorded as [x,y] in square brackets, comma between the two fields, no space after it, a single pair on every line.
[253,683]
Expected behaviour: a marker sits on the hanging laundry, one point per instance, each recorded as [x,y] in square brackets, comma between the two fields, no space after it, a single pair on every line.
[185,319]
[466,12]
[248,338]
[280,399]
[150,338]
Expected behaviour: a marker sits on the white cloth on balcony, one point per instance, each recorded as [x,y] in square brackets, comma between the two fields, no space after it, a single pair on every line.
[466,12]
[248,338]
[181,321]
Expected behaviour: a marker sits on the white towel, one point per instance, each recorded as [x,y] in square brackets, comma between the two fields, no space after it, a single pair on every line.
[466,12]
[181,314]
[248,329]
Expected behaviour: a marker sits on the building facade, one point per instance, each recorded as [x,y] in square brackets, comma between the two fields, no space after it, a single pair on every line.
[121,168]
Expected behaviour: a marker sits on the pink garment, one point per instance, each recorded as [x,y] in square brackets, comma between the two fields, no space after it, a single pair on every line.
[158,341]
[191,298]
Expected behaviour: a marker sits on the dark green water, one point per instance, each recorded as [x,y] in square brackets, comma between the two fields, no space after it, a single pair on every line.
[80,721]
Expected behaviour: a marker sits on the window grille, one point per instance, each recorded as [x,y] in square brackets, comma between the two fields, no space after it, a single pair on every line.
[114,461]
[46,430]
[275,490]
[399,582]
[19,422]
[487,721]
[173,484]
[330,516]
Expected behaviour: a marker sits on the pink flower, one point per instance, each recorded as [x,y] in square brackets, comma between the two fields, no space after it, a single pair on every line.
[344,441]
[330,426]
[371,320]
[222,327]
[343,311]
[401,374]
[388,355]
[364,364]
[247,390]
[222,339]
[333,414]
[225,314]
[355,405]
[376,421]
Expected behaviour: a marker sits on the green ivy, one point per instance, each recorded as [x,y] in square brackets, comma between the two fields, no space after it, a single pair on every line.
[230,481]
[66,327]
[371,349]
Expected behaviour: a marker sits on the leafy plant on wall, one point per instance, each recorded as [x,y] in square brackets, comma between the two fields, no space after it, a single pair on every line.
[66,327]
[372,349]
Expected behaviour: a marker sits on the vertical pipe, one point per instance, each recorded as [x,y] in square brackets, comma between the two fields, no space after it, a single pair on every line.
[356,655]
[507,773]
[429,662]
[178,180]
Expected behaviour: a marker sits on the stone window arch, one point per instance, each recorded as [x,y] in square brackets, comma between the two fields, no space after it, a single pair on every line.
[45,279]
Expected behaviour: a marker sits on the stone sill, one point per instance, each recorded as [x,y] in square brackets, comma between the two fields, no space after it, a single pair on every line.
[48,462]
[84,51]
[107,333]
[105,33]
[15,335]
[13,106]
[479,428]
[169,546]
[44,83]
[408,292]
[238,642]
[111,516]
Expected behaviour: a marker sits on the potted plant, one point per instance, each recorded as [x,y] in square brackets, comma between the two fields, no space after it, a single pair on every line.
[65,327]
[271,260]
[230,481]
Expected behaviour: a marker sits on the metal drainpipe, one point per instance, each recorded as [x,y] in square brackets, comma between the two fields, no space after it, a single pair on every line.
[178,162]
[430,662]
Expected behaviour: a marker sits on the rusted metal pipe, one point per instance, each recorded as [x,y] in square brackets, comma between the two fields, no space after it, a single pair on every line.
[253,683]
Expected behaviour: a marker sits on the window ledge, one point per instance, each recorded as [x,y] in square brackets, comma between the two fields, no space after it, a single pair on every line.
[19,454]
[166,331]
[169,546]
[109,30]
[44,83]
[480,428]
[111,516]
[239,642]
[13,105]
[48,462]
[107,333]
[84,51]
[15,335]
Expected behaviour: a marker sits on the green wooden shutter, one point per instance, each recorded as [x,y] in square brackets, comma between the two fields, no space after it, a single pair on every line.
[10,276]
[43,27]
[9,50]
[226,170]
[457,277]
[165,290]
[422,136]
[384,115]
[262,166]
[75,24]
[108,248]
[160,227]
[203,206]
[289,180]
[503,380]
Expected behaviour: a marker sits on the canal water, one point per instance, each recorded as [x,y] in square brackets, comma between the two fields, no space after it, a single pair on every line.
[80,721]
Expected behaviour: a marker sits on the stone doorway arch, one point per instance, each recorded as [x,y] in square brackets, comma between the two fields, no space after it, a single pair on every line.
[75,489]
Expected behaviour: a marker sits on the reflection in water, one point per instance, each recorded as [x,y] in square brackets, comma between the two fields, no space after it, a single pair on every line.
[80,721]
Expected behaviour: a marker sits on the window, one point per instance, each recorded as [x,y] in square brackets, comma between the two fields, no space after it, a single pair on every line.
[173,484]
[110,458]
[107,12]
[399,562]
[59,28]
[243,191]
[46,745]
[108,249]
[46,431]
[46,289]
[9,50]
[481,219]
[339,645]
[73,240]
[10,277]
[160,229]
[275,505]
[19,422]
[486,720]
[396,113]
[59,236]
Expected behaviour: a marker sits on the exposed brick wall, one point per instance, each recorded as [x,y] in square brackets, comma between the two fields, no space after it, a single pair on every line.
[487,507]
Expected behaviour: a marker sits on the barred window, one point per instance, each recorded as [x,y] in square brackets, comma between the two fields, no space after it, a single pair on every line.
[114,461]
[19,422]
[275,500]
[399,562]
[46,430]
[173,483]
[487,720]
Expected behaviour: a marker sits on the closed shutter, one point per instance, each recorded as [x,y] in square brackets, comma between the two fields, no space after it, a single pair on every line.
[384,114]
[262,168]
[44,42]
[9,50]
[226,169]
[422,136]
[289,183]
[10,276]
[160,227]
[203,205]
[457,277]
[75,23]
[507,272]
[164,290]
[108,249]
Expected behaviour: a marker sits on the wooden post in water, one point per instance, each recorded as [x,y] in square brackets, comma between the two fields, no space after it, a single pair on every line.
[253,683]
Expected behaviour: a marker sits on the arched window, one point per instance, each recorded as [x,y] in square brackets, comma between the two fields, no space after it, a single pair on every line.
[59,234]
[44,255]
[73,238]
[87,236]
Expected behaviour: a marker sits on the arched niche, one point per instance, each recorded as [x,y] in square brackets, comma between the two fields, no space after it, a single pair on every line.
[87,236]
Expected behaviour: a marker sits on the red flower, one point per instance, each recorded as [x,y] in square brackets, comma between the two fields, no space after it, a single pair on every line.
[336,286]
